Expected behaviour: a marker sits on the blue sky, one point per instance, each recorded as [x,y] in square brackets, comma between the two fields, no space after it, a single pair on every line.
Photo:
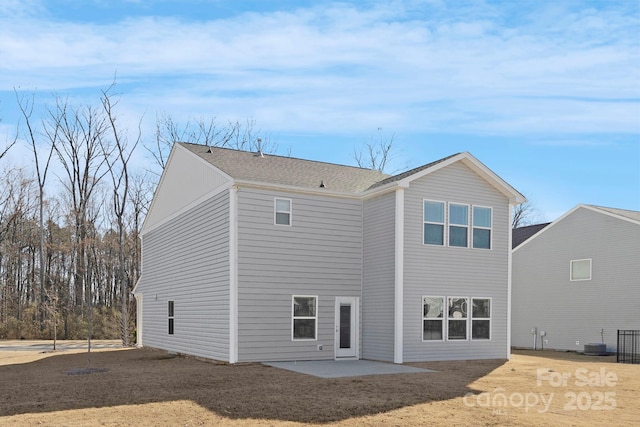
[545,93]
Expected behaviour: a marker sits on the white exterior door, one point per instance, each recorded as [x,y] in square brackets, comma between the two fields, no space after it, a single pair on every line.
[346,327]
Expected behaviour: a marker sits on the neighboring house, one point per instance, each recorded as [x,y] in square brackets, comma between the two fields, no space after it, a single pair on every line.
[254,257]
[577,279]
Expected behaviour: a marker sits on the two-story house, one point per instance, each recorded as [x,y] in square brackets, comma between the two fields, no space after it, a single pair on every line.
[255,257]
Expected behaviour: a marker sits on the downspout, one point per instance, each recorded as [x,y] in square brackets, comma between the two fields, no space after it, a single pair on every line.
[398,344]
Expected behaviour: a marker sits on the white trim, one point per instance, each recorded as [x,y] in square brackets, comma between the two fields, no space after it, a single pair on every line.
[176,146]
[398,343]
[596,209]
[293,317]
[185,208]
[276,211]
[509,277]
[474,164]
[233,274]
[571,279]
[138,320]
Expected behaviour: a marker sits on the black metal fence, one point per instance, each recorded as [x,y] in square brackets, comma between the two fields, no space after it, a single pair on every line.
[628,346]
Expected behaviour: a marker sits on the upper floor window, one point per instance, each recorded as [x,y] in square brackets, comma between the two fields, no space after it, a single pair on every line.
[458,225]
[581,269]
[451,223]
[282,214]
[482,227]
[433,223]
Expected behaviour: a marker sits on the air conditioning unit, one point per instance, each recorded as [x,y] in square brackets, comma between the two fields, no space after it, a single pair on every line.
[595,349]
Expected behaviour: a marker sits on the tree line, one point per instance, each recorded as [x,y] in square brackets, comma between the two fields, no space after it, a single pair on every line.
[70,220]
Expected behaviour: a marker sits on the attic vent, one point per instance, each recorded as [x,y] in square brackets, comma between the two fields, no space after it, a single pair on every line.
[259,153]
[322,184]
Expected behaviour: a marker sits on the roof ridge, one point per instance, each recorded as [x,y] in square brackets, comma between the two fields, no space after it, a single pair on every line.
[282,157]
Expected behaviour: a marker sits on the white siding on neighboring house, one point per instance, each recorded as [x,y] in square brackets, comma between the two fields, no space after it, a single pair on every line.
[378,278]
[186,260]
[320,254]
[572,313]
[453,271]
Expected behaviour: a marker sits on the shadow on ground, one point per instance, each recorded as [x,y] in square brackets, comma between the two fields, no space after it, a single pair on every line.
[254,391]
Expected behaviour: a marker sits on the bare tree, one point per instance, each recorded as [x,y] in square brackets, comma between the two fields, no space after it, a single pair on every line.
[236,135]
[78,134]
[523,214]
[375,154]
[5,150]
[26,108]
[118,167]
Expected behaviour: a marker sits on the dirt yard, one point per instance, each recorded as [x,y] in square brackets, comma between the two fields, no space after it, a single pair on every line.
[151,387]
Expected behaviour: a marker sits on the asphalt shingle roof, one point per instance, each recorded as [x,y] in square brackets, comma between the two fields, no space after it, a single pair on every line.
[271,169]
[520,234]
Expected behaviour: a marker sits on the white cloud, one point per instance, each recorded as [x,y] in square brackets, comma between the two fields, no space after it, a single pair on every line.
[407,65]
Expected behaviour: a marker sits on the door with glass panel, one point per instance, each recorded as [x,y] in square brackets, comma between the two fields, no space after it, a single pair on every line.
[346,327]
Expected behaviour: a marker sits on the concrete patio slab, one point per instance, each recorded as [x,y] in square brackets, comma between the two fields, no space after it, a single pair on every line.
[345,368]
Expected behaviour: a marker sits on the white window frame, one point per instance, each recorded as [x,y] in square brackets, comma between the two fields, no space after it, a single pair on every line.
[443,223]
[449,224]
[571,269]
[490,228]
[276,211]
[466,319]
[442,318]
[481,318]
[294,318]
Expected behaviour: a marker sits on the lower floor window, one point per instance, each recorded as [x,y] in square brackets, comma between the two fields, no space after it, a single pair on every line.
[449,318]
[304,318]
[481,319]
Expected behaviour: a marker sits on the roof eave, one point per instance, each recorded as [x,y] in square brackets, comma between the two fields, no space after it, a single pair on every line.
[514,196]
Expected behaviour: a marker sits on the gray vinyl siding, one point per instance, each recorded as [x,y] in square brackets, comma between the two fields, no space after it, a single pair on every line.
[378,288]
[452,271]
[186,261]
[569,311]
[320,254]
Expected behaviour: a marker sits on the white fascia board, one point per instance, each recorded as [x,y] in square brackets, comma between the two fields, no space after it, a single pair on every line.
[603,210]
[592,208]
[177,146]
[188,207]
[514,196]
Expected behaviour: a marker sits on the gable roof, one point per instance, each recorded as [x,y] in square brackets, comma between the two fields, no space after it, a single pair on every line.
[290,171]
[258,168]
[520,234]
[622,214]
[633,215]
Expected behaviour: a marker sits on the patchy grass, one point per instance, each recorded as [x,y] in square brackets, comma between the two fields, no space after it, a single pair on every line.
[152,387]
